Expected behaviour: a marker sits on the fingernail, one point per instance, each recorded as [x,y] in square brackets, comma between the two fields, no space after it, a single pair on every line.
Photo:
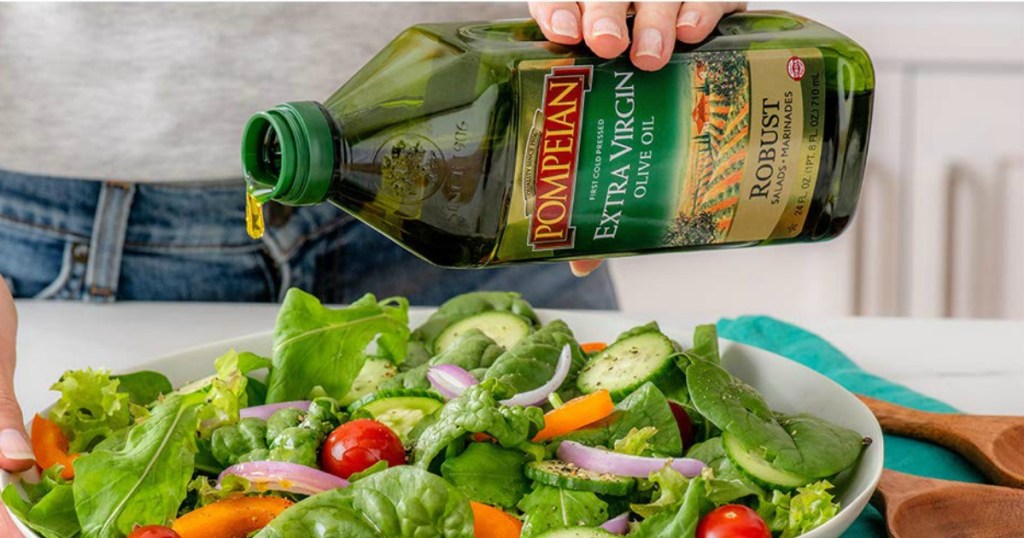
[607,26]
[14,446]
[649,44]
[577,272]
[688,18]
[565,24]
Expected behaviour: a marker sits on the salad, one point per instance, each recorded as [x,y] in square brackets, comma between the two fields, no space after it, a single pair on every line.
[481,422]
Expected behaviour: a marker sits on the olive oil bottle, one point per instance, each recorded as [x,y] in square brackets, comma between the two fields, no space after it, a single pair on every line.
[483,144]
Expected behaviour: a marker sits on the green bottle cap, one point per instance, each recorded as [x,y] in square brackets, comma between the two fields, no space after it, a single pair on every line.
[288,154]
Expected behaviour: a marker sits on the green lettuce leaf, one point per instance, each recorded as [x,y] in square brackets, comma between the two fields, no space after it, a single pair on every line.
[400,502]
[51,516]
[791,515]
[681,522]
[726,483]
[669,487]
[145,481]
[531,362]
[90,407]
[636,442]
[489,474]
[548,508]
[477,410]
[319,346]
[226,395]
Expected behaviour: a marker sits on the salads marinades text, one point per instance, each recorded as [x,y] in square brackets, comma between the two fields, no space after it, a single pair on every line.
[481,422]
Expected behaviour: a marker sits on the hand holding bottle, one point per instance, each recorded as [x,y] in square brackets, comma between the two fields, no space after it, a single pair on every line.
[602,26]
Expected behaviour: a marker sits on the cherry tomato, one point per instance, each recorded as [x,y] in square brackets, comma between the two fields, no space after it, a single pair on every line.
[683,422]
[732,521]
[356,445]
[153,531]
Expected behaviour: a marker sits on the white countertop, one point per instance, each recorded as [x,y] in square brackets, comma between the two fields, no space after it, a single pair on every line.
[977,366]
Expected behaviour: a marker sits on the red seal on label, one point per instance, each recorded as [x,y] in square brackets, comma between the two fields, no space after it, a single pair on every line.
[796,68]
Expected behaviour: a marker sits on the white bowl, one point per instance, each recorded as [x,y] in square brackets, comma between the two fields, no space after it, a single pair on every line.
[786,385]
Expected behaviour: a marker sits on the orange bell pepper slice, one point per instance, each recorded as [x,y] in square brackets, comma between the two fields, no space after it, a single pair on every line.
[575,414]
[593,347]
[491,522]
[50,446]
[230,518]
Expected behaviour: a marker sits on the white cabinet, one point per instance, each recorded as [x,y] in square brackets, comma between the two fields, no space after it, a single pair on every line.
[940,229]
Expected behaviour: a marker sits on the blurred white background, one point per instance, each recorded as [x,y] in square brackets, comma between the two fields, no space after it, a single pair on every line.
[940,227]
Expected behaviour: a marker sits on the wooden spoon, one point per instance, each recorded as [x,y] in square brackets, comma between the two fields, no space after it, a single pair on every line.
[918,507]
[994,444]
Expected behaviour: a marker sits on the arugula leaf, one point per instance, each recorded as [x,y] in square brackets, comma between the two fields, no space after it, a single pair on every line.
[144,482]
[681,523]
[318,346]
[645,407]
[51,516]
[727,483]
[531,362]
[477,410]
[791,515]
[548,508]
[143,387]
[800,444]
[471,351]
[400,502]
[488,474]
[90,407]
[471,304]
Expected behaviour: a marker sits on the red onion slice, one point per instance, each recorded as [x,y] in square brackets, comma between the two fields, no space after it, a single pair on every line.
[264,411]
[540,394]
[450,380]
[606,461]
[618,524]
[284,476]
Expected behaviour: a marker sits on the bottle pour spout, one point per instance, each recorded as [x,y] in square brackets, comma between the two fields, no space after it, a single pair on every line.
[288,154]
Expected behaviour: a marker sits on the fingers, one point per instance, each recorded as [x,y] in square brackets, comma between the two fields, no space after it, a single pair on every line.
[696,20]
[604,28]
[7,526]
[560,21]
[654,34]
[583,268]
[15,450]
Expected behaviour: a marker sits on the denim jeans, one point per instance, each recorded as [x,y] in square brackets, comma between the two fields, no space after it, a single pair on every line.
[106,241]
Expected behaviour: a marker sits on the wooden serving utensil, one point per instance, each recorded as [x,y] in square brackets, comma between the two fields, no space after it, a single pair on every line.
[994,444]
[918,507]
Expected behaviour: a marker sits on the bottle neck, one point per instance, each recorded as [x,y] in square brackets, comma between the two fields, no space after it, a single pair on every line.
[289,153]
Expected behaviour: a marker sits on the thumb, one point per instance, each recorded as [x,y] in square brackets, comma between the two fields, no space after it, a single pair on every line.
[15,450]
[582,268]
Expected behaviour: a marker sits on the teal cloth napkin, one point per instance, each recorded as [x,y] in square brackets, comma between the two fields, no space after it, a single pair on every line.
[901,454]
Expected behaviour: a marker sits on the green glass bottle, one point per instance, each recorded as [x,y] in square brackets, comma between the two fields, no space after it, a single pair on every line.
[483,144]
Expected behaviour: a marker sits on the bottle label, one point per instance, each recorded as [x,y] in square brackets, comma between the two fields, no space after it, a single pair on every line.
[717,147]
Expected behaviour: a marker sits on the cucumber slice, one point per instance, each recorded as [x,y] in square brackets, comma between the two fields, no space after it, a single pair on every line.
[398,409]
[374,373]
[578,532]
[625,365]
[561,474]
[505,328]
[757,468]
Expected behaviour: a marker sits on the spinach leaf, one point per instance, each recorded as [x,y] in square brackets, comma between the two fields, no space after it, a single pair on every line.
[51,516]
[726,483]
[90,407]
[318,346]
[705,344]
[471,304]
[645,407]
[471,351]
[143,387]
[548,508]
[488,474]
[531,362]
[400,502]
[801,444]
[144,482]
[681,523]
[477,410]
